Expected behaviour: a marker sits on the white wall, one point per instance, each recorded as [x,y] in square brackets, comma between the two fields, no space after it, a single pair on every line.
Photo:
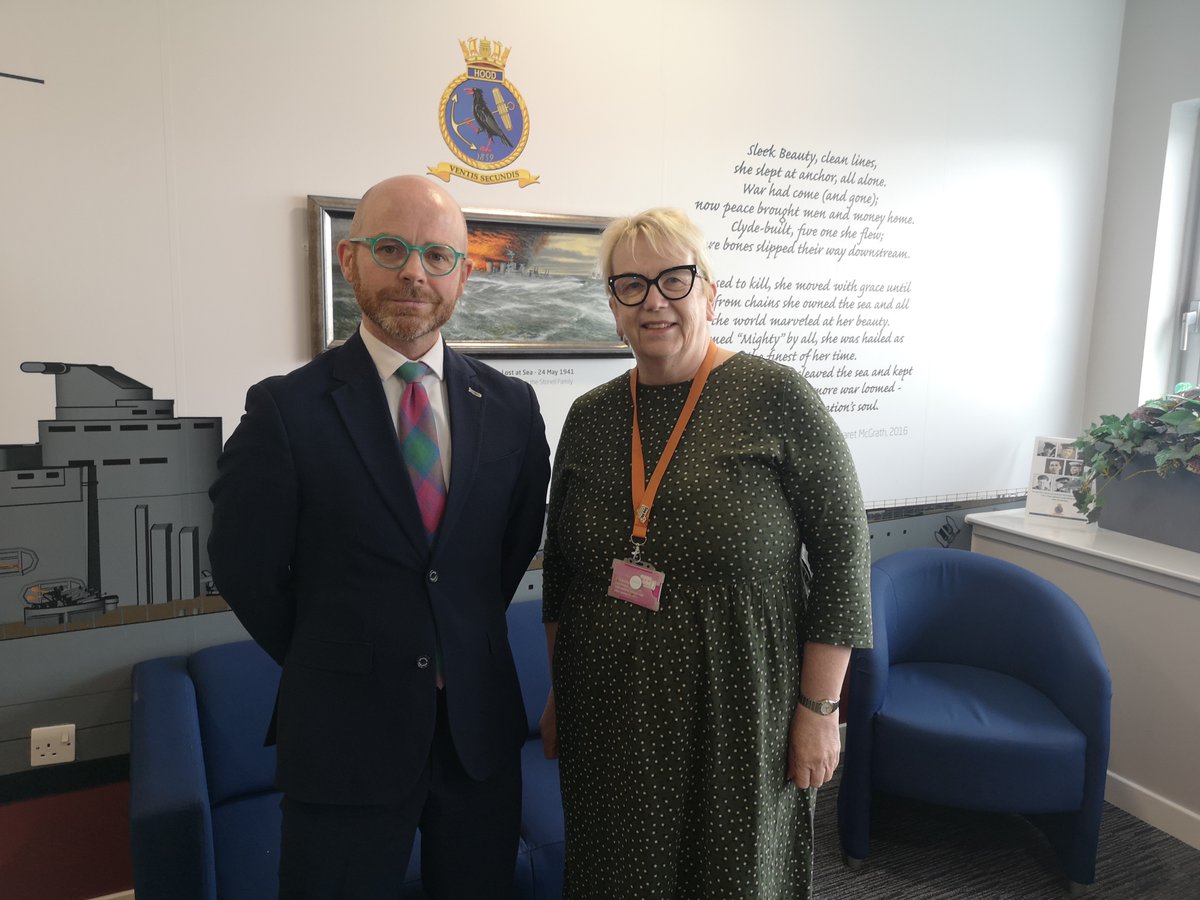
[154,186]
[1133,320]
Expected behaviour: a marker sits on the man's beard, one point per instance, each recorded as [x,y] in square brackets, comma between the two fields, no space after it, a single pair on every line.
[405,326]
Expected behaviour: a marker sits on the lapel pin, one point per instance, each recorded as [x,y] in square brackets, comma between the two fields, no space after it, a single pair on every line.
[474,393]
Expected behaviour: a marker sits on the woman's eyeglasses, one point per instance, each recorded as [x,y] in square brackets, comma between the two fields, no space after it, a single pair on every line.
[632,289]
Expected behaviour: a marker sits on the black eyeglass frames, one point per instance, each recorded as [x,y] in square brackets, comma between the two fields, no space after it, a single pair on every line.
[632,289]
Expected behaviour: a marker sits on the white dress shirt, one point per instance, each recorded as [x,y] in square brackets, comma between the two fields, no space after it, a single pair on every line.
[387,361]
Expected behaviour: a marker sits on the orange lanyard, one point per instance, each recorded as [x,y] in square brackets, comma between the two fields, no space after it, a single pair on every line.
[643,493]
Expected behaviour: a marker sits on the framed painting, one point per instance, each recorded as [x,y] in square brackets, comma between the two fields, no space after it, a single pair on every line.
[535,288]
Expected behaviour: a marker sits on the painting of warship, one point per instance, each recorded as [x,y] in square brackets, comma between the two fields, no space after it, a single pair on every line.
[108,512]
[534,290]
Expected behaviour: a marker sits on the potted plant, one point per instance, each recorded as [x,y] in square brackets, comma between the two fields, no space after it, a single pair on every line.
[1159,437]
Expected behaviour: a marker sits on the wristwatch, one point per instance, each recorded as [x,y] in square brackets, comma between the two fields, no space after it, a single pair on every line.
[820,707]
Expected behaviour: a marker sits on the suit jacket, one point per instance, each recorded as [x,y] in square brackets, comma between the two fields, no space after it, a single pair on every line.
[317,546]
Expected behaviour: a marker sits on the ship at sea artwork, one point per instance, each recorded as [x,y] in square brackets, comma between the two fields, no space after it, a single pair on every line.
[529,284]
[108,513]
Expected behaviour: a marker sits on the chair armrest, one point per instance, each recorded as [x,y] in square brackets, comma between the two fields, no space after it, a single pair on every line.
[169,815]
[867,683]
[1067,664]
[527,637]
[869,667]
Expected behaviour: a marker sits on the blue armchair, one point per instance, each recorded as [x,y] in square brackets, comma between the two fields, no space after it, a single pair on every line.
[986,689]
[203,810]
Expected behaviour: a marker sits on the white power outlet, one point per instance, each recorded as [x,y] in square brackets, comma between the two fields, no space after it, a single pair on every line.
[52,744]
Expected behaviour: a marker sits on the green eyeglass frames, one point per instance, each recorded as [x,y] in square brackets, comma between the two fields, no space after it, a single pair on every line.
[392,253]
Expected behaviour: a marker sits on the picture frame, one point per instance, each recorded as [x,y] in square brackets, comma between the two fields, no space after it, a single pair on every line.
[535,289]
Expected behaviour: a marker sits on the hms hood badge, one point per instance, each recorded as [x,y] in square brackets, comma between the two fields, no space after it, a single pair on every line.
[483,119]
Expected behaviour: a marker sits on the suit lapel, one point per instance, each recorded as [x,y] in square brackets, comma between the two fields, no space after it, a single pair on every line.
[363,407]
[467,404]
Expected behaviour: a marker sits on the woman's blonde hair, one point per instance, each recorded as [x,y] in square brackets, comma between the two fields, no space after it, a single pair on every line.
[662,228]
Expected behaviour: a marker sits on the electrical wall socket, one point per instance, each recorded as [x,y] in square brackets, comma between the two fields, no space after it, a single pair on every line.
[51,744]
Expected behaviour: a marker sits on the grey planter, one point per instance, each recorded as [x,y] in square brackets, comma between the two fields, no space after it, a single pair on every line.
[1166,510]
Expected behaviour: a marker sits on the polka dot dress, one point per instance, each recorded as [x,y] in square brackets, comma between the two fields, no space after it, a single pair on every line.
[673,724]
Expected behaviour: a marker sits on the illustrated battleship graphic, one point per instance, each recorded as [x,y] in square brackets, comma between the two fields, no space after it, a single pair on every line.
[109,507]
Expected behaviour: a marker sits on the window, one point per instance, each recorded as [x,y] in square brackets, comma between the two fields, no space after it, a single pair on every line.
[1182,178]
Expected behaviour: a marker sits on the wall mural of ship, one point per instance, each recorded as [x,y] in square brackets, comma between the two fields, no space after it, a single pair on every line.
[109,509]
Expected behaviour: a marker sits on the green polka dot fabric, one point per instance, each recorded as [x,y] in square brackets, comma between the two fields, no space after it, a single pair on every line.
[673,724]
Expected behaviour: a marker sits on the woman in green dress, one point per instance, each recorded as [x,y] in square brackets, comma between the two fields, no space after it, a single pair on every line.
[696,668]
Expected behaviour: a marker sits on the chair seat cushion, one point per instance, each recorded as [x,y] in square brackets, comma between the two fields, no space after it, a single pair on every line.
[976,739]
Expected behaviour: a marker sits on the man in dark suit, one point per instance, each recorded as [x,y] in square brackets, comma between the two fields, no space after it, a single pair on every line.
[378,575]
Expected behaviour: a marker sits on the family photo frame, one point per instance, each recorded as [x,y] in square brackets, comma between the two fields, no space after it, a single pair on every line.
[535,288]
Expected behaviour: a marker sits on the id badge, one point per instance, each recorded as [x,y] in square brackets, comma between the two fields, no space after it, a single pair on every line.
[639,583]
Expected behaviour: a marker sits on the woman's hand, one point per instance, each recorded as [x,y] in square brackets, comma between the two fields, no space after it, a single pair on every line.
[548,726]
[814,748]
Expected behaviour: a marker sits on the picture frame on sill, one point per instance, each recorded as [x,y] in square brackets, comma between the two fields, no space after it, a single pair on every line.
[1055,473]
[535,288]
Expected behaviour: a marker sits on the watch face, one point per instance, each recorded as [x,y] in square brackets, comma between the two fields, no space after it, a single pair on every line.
[821,707]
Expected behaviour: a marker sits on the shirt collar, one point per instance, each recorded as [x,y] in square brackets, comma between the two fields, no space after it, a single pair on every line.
[387,360]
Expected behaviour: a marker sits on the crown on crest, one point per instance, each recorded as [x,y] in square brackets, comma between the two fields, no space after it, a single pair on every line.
[484,52]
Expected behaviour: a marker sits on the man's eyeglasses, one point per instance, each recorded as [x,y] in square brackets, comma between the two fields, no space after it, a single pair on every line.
[632,289]
[392,253]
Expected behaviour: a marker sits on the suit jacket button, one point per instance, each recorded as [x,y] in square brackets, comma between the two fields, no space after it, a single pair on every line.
[423,662]
[433,576]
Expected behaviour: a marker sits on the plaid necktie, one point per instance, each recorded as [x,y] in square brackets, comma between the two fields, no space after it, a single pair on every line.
[419,443]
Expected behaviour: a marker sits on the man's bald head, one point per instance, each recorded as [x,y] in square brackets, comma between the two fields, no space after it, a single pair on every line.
[411,192]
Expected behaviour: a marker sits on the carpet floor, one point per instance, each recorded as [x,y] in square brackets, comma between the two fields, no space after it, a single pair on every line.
[923,852]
